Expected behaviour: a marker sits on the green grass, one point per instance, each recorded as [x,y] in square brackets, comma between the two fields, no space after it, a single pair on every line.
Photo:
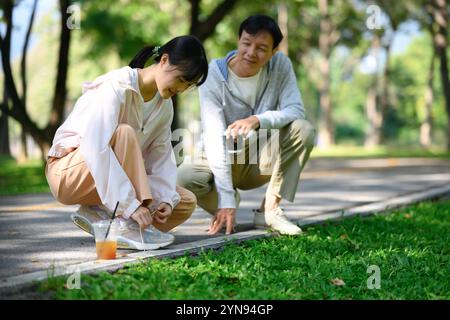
[342,151]
[30,178]
[410,246]
[23,178]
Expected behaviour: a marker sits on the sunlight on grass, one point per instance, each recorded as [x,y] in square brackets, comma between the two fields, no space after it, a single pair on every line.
[378,152]
[28,177]
[329,261]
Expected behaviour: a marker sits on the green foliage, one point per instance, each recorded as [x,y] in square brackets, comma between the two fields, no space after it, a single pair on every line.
[16,178]
[348,90]
[113,31]
[382,151]
[410,247]
[409,79]
[126,26]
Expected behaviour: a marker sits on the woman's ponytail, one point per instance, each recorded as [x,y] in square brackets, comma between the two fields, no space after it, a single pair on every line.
[141,58]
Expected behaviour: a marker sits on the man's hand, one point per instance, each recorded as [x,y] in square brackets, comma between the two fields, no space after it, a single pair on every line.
[163,212]
[242,127]
[223,216]
[142,216]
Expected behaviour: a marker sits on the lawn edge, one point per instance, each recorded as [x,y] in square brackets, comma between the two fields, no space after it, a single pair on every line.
[19,283]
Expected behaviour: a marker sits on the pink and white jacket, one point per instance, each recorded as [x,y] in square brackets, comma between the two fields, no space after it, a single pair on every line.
[108,101]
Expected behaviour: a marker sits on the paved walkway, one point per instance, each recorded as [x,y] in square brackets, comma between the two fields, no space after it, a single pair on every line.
[36,234]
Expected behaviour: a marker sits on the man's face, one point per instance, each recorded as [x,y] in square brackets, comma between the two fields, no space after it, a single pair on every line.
[254,51]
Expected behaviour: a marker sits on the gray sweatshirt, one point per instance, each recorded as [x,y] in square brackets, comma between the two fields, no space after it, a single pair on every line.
[278,103]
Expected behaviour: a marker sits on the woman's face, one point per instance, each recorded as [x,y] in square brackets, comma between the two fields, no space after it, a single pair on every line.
[169,79]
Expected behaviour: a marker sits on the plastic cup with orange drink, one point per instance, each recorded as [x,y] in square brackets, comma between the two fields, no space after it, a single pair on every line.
[106,238]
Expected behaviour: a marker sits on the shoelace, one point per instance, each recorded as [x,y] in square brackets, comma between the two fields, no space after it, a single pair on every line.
[152,213]
[142,239]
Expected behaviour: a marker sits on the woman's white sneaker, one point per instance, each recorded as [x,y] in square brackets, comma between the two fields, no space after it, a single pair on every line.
[276,220]
[131,236]
[87,215]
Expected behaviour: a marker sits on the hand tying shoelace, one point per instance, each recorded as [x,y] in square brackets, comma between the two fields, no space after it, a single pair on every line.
[152,214]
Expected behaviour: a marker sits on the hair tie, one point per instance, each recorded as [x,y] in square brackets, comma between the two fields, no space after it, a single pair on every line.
[155,51]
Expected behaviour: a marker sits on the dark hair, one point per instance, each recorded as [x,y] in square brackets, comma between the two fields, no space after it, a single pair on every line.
[260,22]
[186,53]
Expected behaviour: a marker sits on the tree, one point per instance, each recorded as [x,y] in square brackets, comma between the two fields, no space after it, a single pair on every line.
[283,16]
[17,108]
[438,12]
[339,23]
[23,71]
[327,39]
[396,14]
[427,123]
[203,29]
[7,8]
[374,116]
[106,23]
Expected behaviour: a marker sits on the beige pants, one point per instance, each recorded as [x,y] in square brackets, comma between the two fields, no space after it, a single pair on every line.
[71,182]
[296,141]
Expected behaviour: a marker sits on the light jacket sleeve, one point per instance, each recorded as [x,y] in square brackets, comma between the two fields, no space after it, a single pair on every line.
[161,168]
[101,113]
[213,126]
[290,100]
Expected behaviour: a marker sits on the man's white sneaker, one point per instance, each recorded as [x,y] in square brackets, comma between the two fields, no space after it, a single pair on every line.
[87,215]
[276,220]
[131,236]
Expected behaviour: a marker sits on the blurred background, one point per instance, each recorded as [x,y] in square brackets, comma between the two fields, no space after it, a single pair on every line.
[373,74]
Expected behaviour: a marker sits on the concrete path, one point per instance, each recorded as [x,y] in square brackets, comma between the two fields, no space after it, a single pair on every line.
[36,234]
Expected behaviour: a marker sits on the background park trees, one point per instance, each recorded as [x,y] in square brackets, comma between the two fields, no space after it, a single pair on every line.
[360,87]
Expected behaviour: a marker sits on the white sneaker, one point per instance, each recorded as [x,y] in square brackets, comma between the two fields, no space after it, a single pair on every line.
[276,220]
[131,236]
[87,215]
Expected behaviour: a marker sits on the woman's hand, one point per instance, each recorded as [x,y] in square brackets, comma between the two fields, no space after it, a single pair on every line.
[143,217]
[163,212]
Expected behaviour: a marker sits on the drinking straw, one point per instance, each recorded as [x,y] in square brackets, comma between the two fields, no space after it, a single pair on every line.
[113,216]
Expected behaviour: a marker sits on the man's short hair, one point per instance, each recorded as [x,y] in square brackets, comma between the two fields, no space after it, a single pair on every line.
[259,22]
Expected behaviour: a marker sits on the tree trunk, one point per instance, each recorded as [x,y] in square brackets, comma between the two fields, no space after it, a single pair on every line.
[283,15]
[384,92]
[440,22]
[60,93]
[23,63]
[373,116]
[426,125]
[326,134]
[17,109]
[202,30]
[6,50]
[5,150]
[23,153]
[373,112]
[23,150]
